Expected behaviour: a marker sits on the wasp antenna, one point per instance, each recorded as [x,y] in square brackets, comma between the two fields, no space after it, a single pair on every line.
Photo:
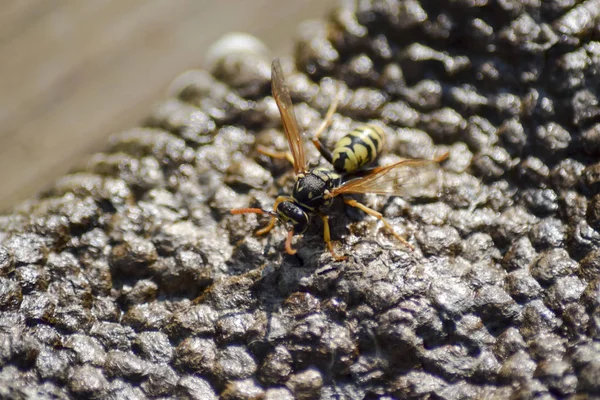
[288,243]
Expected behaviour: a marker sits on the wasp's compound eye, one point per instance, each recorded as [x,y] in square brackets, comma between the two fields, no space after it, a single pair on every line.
[290,213]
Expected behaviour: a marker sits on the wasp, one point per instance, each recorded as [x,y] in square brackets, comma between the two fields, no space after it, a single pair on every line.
[315,189]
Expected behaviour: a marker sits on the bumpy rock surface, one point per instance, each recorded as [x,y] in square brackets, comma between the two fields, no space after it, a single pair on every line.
[130,279]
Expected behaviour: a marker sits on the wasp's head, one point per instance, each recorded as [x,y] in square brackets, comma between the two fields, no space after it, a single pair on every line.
[294,216]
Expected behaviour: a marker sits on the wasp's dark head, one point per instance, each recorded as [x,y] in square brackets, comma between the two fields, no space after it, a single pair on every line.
[293,215]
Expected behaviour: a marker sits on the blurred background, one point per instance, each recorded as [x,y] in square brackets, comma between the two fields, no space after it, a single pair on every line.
[73,72]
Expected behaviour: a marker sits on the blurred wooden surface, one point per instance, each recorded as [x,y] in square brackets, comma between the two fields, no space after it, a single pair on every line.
[73,72]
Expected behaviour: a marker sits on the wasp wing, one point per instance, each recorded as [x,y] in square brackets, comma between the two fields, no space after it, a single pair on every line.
[407,178]
[288,117]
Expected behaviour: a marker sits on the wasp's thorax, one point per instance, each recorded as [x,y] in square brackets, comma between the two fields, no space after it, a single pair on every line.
[310,189]
[293,215]
[308,198]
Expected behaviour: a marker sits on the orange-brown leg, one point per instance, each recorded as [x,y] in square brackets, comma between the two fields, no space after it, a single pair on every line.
[268,228]
[324,125]
[276,154]
[379,216]
[288,244]
[327,238]
[441,158]
[273,220]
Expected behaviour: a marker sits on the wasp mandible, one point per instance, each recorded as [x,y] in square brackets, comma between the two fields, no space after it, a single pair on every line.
[315,189]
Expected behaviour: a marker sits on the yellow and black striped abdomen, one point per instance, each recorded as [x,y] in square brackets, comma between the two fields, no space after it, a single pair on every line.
[358,148]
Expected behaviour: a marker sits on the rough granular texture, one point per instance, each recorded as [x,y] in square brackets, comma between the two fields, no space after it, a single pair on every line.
[129,278]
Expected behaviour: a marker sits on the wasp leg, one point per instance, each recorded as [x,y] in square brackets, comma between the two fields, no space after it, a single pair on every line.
[288,244]
[326,153]
[327,238]
[268,228]
[370,211]
[273,214]
[276,154]
[441,158]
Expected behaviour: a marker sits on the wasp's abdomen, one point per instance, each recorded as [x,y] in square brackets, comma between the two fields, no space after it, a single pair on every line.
[358,148]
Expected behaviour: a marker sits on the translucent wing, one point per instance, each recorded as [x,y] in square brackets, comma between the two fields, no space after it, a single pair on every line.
[412,178]
[288,117]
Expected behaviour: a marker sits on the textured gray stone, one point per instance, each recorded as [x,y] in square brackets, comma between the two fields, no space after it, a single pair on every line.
[131,279]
